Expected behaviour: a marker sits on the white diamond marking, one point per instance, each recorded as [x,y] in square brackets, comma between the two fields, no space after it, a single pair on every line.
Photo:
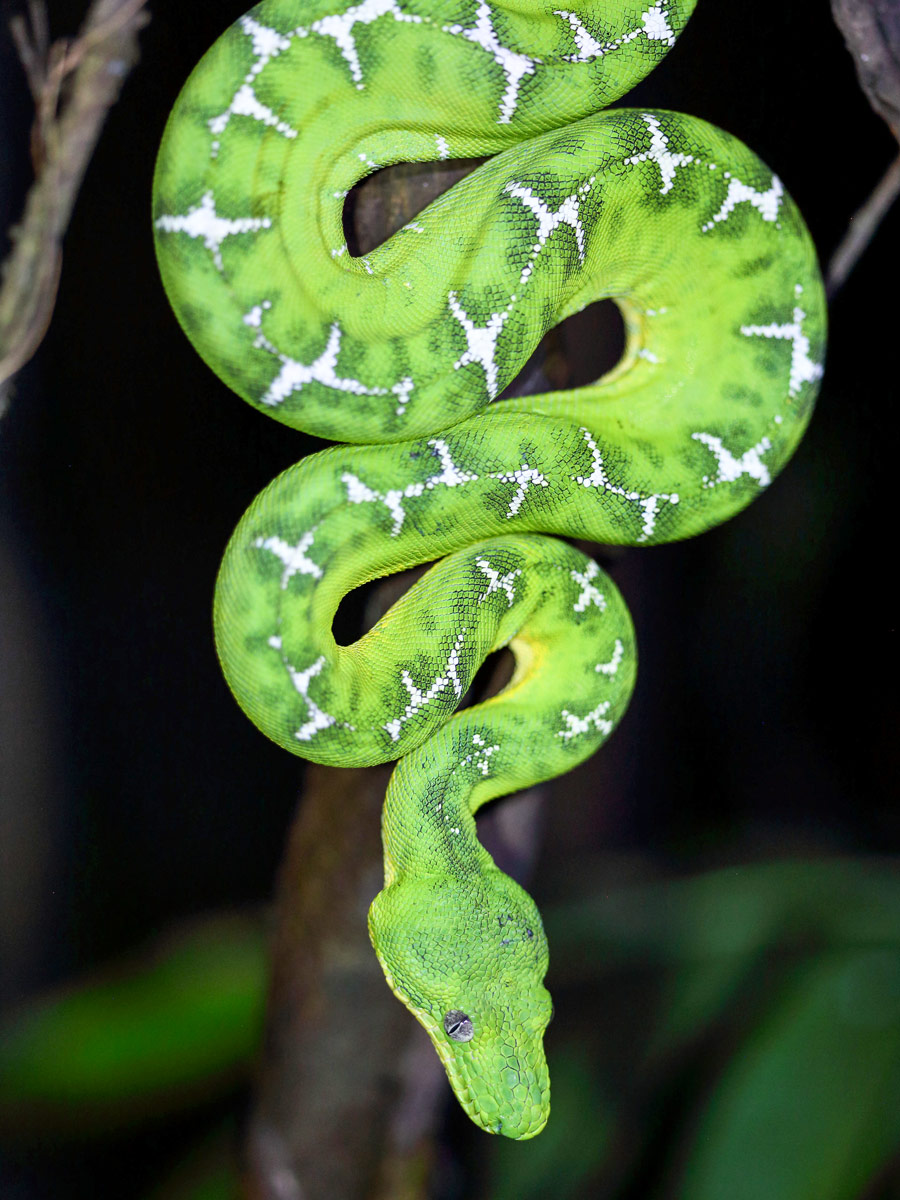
[766,203]
[479,757]
[610,668]
[481,341]
[523,477]
[549,221]
[449,476]
[576,725]
[339,26]
[729,467]
[654,27]
[589,593]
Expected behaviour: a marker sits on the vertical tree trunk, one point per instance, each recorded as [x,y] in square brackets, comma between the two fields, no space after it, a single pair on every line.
[350,1089]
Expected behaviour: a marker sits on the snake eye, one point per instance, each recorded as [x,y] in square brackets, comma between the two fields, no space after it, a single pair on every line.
[458,1026]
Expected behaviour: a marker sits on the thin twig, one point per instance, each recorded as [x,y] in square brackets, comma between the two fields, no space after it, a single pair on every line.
[861,229]
[33,49]
[74,84]
[871,30]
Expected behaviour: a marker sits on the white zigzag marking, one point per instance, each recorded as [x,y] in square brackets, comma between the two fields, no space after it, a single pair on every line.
[659,152]
[294,557]
[589,593]
[549,221]
[479,757]
[597,478]
[612,666]
[524,477]
[730,468]
[481,341]
[515,66]
[496,581]
[202,221]
[267,44]
[245,103]
[576,725]
[448,476]
[654,27]
[340,27]
[401,390]
[294,375]
[588,46]
[803,369]
[418,698]
[766,203]
[317,718]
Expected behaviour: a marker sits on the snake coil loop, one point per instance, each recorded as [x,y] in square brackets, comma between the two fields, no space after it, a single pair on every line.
[401,354]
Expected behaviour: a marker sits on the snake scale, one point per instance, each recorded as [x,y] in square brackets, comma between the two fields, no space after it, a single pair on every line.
[403,353]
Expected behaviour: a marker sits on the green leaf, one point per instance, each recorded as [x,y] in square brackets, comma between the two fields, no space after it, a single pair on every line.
[809,1107]
[175,1027]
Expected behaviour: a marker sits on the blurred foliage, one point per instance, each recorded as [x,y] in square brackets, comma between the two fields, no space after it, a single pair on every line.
[207,1173]
[809,1106]
[733,1034]
[162,1033]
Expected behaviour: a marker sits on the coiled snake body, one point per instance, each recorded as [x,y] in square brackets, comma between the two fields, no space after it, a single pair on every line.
[403,351]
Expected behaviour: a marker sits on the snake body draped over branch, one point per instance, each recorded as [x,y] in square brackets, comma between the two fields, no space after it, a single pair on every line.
[402,352]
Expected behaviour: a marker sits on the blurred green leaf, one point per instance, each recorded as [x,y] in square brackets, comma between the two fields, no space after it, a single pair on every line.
[715,930]
[809,1107]
[174,1027]
[734,911]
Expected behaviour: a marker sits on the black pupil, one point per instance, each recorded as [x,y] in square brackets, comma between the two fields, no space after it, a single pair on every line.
[458,1026]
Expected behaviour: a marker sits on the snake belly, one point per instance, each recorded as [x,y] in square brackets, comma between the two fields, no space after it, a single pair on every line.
[401,354]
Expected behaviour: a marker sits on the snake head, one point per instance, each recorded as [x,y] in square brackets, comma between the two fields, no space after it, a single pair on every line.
[468,960]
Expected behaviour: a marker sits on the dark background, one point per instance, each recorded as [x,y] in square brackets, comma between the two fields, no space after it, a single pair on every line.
[765,720]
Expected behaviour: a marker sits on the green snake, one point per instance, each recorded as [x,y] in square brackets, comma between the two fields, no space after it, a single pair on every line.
[403,352]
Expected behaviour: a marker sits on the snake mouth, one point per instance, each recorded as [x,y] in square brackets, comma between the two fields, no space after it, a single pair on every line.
[521,1118]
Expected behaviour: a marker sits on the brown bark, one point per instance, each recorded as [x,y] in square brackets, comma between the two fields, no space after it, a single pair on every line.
[871,29]
[350,1089]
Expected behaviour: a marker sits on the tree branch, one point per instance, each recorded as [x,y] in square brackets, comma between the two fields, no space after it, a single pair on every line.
[350,1090]
[871,29]
[74,85]
[861,229]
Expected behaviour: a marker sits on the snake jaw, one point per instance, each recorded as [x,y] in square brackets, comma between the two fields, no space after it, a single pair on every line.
[516,1109]
[502,1081]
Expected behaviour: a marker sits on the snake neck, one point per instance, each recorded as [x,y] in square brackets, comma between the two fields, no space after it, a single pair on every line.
[461,944]
[428,823]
